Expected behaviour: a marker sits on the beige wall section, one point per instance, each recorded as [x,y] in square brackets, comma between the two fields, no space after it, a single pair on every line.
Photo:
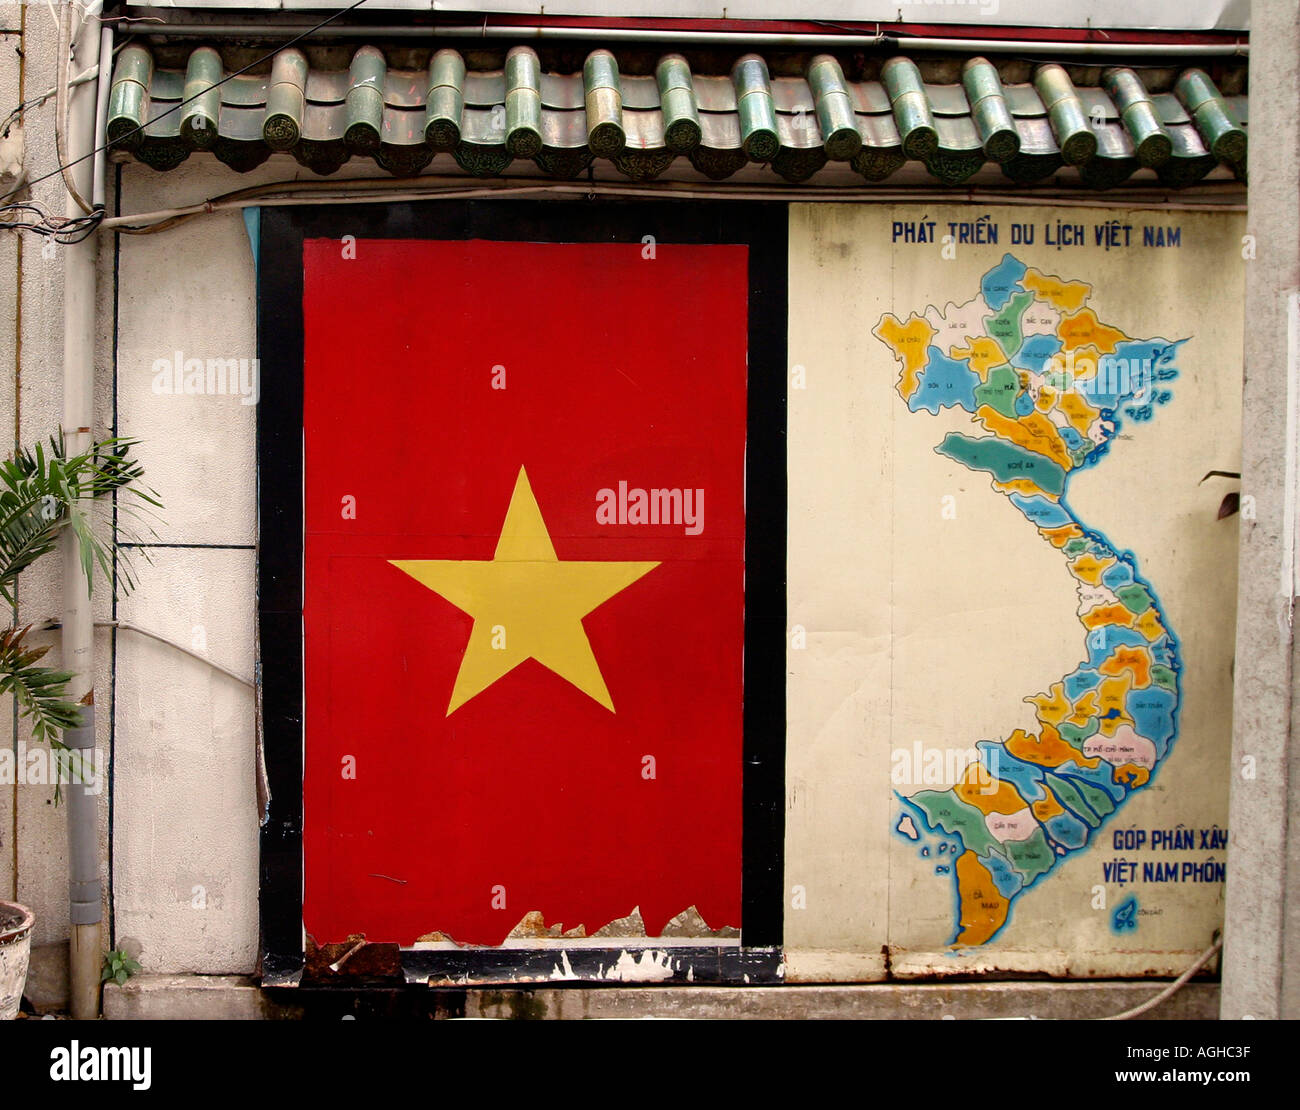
[185,845]
[933,628]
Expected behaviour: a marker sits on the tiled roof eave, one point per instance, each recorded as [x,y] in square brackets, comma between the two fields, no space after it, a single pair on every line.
[643,124]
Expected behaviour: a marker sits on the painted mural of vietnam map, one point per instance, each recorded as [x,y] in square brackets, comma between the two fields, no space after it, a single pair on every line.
[1048,386]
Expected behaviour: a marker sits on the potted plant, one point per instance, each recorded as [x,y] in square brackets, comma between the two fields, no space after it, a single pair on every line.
[15,948]
[41,494]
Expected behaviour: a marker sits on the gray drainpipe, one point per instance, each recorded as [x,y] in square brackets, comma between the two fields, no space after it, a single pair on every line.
[85,948]
[85,894]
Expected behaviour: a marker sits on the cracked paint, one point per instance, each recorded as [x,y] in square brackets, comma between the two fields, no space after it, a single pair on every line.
[684,926]
[651,966]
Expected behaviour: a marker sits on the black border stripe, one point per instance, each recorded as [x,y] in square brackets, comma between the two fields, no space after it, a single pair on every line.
[763,228]
[279,584]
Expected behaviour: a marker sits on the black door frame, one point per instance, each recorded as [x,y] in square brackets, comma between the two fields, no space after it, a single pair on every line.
[763,228]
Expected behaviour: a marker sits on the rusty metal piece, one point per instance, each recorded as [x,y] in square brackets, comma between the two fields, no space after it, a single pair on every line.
[347,955]
[357,961]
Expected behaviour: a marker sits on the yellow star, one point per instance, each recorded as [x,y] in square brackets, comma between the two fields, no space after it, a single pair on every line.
[526,604]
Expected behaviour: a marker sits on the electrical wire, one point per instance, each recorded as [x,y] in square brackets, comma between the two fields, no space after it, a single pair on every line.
[36,101]
[66,230]
[62,102]
[65,166]
[434,187]
[1176,985]
[126,626]
[15,217]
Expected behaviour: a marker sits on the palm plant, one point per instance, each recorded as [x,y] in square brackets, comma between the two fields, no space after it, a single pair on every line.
[42,493]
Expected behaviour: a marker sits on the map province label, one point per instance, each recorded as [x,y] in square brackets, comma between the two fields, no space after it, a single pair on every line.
[1049,386]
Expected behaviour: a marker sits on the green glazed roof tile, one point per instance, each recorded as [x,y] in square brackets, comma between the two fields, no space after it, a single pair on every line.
[1187,142]
[1036,137]
[1141,121]
[869,96]
[1113,142]
[990,114]
[911,107]
[1024,101]
[1071,125]
[169,84]
[792,95]
[640,93]
[947,100]
[714,94]
[483,90]
[1097,103]
[642,122]
[678,109]
[957,135]
[879,131]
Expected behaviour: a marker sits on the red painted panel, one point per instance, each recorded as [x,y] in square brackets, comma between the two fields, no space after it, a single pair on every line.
[617,368]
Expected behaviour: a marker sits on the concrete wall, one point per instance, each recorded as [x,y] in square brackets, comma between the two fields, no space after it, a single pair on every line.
[1262,937]
[182,798]
[33,866]
[182,803]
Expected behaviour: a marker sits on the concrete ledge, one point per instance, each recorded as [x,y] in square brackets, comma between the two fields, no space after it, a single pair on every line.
[178,997]
[874,1001]
[174,997]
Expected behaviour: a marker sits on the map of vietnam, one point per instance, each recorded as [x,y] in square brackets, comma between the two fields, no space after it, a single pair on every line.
[1048,386]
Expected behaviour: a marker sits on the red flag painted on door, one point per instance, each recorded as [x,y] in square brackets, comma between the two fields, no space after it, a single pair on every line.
[524,586]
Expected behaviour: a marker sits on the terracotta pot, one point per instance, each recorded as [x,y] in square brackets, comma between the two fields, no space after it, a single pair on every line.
[15,949]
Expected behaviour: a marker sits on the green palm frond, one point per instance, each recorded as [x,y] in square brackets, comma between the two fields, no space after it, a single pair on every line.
[42,492]
[38,690]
